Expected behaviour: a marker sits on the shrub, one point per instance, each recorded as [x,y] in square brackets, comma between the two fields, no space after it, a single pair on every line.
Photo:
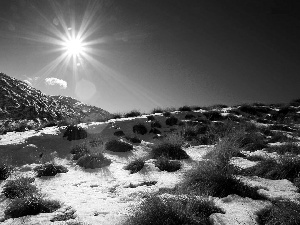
[189,116]
[213,115]
[157,210]
[93,161]
[140,129]
[167,114]
[79,151]
[49,169]
[151,118]
[184,108]
[226,148]
[253,141]
[116,116]
[155,124]
[30,205]
[118,146]
[133,139]
[280,137]
[19,188]
[212,179]
[290,147]
[133,113]
[5,171]
[157,110]
[119,133]
[171,121]
[135,166]
[250,110]
[75,133]
[281,127]
[286,167]
[281,212]
[155,131]
[169,150]
[165,164]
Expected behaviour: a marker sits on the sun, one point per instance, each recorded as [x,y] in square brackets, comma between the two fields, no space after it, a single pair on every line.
[74,47]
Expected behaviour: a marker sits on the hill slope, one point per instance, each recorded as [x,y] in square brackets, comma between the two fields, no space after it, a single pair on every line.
[18,100]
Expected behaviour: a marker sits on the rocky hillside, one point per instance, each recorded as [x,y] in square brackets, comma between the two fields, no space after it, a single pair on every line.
[18,100]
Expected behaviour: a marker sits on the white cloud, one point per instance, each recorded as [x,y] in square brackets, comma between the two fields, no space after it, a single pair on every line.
[55,81]
[31,81]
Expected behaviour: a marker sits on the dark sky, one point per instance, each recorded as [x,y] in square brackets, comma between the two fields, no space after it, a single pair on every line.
[148,53]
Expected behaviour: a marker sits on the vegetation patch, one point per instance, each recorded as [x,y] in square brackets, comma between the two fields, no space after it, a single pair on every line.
[171,121]
[118,146]
[211,179]
[155,124]
[157,110]
[49,169]
[134,140]
[213,115]
[289,147]
[281,213]
[5,171]
[133,113]
[185,108]
[151,118]
[140,129]
[164,164]
[79,151]
[92,161]
[167,114]
[119,133]
[169,150]
[73,132]
[157,210]
[189,116]
[30,205]
[285,167]
[19,188]
[135,166]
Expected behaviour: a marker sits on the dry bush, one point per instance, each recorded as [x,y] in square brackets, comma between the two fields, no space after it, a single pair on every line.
[92,161]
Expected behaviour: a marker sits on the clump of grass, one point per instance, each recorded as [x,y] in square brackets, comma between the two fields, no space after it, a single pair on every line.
[119,133]
[30,205]
[280,137]
[281,212]
[116,116]
[157,210]
[285,167]
[155,124]
[211,179]
[189,116]
[164,164]
[49,169]
[289,147]
[171,121]
[118,146]
[226,148]
[253,141]
[213,115]
[79,151]
[19,188]
[167,114]
[185,108]
[155,131]
[133,113]
[151,118]
[5,171]
[93,161]
[140,129]
[134,140]
[135,165]
[73,132]
[169,150]
[157,110]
